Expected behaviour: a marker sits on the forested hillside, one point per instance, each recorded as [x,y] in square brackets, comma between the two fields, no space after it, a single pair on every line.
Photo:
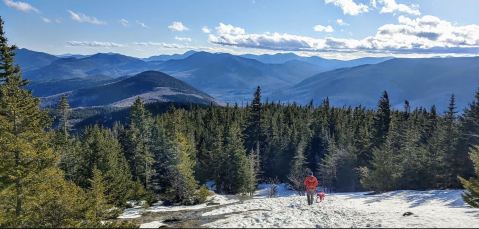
[52,177]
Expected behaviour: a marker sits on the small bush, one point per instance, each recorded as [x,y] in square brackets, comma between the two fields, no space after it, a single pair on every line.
[202,195]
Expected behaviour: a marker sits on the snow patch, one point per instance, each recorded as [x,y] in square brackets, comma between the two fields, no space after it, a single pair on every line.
[153,224]
[436,208]
[215,200]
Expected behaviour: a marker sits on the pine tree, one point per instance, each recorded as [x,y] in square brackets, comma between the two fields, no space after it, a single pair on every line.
[385,170]
[253,128]
[24,151]
[139,151]
[97,202]
[382,120]
[448,142]
[100,149]
[235,176]
[298,169]
[63,112]
[184,182]
[52,202]
[469,137]
[471,196]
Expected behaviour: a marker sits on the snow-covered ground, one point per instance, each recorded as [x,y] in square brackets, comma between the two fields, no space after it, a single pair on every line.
[137,211]
[437,208]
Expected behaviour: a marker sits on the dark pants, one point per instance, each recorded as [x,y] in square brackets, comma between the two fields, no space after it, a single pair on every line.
[310,194]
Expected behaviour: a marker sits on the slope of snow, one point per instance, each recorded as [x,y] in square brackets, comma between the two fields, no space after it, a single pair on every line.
[137,211]
[438,208]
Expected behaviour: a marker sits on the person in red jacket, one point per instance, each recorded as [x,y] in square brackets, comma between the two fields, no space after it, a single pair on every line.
[311,184]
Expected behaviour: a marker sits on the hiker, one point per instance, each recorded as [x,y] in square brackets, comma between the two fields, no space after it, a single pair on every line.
[311,183]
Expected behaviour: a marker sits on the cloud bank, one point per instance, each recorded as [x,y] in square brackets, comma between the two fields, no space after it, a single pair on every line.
[427,34]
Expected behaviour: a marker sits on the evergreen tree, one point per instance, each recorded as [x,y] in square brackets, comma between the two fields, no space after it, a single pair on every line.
[382,120]
[298,168]
[51,202]
[385,171]
[471,196]
[253,128]
[24,149]
[183,180]
[63,112]
[235,176]
[469,137]
[100,149]
[139,146]
[98,205]
[449,137]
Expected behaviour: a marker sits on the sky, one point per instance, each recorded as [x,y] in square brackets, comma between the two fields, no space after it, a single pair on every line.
[342,29]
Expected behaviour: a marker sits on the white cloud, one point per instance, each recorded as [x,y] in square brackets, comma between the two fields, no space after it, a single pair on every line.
[349,6]
[82,18]
[143,25]
[186,39]
[235,36]
[21,6]
[322,28]
[205,29]
[177,26]
[160,44]
[124,22]
[48,20]
[427,34]
[341,22]
[94,44]
[391,6]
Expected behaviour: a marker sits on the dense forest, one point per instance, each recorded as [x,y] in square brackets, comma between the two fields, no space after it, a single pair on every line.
[53,177]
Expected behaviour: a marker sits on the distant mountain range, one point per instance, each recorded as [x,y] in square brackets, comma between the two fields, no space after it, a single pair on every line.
[170,57]
[150,86]
[98,65]
[31,60]
[232,78]
[423,82]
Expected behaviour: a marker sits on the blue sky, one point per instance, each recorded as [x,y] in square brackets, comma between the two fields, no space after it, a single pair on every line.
[330,28]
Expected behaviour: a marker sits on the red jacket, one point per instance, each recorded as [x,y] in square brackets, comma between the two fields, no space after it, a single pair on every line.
[311,183]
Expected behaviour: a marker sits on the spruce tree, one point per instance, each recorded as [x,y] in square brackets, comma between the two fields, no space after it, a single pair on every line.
[382,120]
[297,169]
[139,151]
[385,171]
[52,202]
[97,201]
[183,180]
[235,176]
[469,137]
[63,112]
[100,149]
[253,128]
[24,149]
[471,195]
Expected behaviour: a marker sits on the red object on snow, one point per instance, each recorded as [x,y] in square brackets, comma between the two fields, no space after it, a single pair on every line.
[321,196]
[311,183]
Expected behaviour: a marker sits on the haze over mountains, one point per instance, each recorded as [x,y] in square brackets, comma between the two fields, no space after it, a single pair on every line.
[232,78]
[423,82]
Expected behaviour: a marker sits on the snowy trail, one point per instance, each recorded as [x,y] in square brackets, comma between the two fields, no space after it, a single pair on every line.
[429,208]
